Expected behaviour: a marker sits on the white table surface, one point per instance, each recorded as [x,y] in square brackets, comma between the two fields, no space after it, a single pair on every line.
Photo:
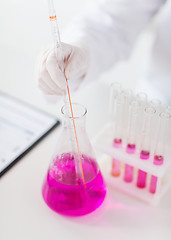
[23,213]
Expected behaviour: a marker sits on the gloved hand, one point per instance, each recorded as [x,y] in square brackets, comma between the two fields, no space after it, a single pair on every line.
[51,79]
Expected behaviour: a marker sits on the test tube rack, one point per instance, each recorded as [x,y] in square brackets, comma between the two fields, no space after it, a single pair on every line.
[103,144]
[159,175]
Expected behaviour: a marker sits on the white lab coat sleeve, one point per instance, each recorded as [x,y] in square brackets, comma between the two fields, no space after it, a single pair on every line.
[109,29]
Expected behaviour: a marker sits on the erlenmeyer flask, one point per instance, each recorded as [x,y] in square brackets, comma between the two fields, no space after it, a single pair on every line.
[74,184]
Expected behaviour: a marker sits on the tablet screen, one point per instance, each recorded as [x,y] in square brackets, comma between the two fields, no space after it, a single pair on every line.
[21,127]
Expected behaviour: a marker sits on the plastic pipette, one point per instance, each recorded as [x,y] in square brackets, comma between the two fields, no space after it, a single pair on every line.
[59,55]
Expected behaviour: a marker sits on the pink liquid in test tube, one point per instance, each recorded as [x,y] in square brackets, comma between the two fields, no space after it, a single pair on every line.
[129,170]
[158,160]
[146,143]
[116,163]
[142,176]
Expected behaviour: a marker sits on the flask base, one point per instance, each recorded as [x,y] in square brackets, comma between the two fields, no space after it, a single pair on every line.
[75,199]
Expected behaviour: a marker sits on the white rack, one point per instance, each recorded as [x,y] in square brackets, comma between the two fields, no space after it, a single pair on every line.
[103,143]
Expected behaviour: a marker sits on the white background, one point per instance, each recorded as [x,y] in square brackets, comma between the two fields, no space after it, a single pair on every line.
[24,30]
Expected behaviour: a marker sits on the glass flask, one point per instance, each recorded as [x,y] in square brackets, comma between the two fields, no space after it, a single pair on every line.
[74,184]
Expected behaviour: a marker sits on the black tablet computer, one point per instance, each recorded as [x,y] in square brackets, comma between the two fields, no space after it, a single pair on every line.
[21,128]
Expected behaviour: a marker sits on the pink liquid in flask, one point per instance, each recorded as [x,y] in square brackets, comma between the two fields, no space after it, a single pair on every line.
[64,191]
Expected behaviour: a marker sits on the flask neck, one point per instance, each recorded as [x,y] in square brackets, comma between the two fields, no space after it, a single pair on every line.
[77,119]
[77,123]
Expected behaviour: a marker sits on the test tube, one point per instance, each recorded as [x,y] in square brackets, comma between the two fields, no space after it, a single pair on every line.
[114,94]
[131,138]
[126,97]
[141,98]
[156,104]
[145,144]
[117,142]
[168,109]
[159,153]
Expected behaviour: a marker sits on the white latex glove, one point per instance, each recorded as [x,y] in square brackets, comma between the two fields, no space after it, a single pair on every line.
[51,79]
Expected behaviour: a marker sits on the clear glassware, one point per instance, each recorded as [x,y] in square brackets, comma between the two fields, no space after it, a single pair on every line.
[117,141]
[74,184]
[142,98]
[143,101]
[168,109]
[146,144]
[159,153]
[156,104]
[115,90]
[134,110]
